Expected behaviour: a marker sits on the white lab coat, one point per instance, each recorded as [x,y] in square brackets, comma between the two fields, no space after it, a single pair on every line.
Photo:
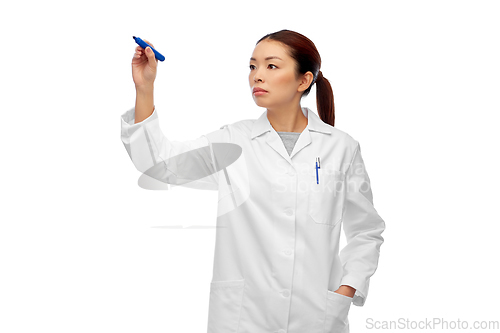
[277,260]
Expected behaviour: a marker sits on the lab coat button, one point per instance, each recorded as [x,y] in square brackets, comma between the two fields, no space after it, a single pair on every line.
[285,293]
[288,252]
[289,212]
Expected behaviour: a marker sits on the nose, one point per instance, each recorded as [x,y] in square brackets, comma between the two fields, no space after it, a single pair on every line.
[257,76]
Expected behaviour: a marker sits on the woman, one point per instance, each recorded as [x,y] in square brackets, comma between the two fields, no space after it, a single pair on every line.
[294,181]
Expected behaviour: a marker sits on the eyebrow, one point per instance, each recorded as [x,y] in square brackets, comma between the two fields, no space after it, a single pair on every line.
[271,57]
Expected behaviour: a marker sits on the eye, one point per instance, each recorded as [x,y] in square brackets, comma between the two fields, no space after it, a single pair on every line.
[252,66]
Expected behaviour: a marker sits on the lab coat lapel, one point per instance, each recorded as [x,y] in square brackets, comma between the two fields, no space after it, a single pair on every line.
[273,139]
[261,126]
[315,124]
[303,141]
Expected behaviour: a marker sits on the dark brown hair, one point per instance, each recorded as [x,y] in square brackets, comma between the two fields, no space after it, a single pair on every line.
[307,57]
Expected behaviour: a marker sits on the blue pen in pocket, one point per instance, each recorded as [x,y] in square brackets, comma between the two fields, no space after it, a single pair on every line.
[143,44]
[318,166]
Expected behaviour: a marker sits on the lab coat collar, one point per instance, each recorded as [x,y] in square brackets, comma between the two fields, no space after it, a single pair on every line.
[314,123]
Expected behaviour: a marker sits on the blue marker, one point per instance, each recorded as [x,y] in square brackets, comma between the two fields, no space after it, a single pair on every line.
[143,44]
[318,166]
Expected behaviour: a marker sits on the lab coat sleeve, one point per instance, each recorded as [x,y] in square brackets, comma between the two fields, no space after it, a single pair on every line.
[148,147]
[363,228]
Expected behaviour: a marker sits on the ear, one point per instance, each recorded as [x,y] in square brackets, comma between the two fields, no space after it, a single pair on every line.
[306,81]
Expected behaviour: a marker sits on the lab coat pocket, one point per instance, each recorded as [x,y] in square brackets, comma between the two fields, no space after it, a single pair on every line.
[326,199]
[225,305]
[337,309]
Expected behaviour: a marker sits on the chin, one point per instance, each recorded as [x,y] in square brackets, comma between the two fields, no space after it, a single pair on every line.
[260,103]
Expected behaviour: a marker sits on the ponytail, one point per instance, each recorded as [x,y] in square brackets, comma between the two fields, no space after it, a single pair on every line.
[324,100]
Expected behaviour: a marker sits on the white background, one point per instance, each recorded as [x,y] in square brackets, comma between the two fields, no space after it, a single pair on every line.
[415,82]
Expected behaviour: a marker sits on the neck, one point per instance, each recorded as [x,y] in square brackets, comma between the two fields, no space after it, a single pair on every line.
[286,119]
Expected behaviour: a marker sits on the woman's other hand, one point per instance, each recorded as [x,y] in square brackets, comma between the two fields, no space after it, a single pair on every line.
[346,291]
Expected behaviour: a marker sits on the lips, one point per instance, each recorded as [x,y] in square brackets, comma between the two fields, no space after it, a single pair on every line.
[258,89]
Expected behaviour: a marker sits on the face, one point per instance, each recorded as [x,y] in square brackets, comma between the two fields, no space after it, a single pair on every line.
[275,75]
